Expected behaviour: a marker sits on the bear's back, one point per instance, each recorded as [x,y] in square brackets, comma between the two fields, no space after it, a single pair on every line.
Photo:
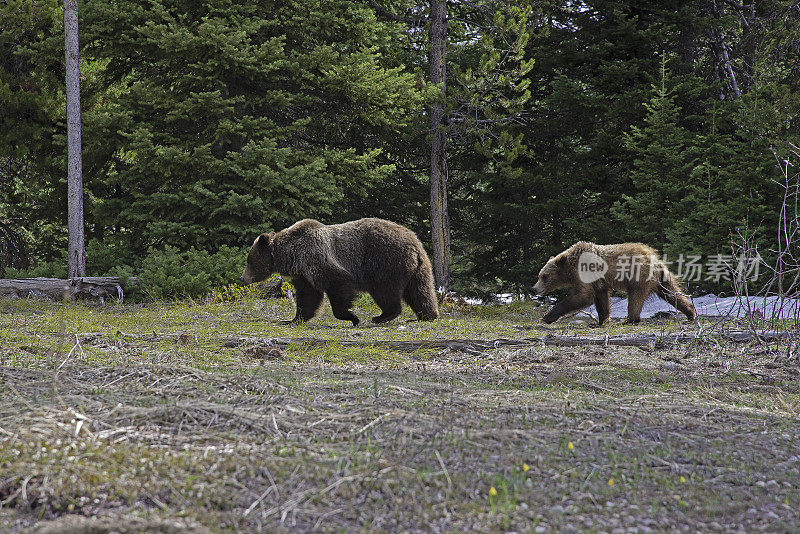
[630,264]
[375,250]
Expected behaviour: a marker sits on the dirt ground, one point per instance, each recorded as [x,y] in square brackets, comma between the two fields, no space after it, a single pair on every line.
[131,418]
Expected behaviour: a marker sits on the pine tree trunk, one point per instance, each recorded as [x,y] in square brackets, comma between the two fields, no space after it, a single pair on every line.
[77,256]
[722,53]
[440,221]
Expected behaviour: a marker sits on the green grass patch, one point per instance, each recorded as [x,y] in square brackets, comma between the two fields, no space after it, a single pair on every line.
[151,413]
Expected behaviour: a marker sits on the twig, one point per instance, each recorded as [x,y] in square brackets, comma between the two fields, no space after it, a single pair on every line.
[371,424]
[260,499]
[444,469]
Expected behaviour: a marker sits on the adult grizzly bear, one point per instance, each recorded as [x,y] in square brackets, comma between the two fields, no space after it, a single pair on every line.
[593,271]
[380,257]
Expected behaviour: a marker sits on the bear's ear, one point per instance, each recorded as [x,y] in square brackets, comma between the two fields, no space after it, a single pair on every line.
[264,240]
[561,261]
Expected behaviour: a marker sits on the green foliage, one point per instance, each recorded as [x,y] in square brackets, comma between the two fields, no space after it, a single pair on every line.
[163,274]
[44,269]
[13,252]
[661,163]
[206,123]
[730,188]
[32,197]
[170,273]
[234,117]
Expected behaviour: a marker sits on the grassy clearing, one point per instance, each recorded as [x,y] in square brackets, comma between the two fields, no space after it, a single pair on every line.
[175,432]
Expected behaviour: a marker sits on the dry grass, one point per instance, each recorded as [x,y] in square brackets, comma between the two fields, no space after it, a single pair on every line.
[146,422]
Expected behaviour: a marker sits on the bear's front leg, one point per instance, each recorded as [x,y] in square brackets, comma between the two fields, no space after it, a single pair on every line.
[602,302]
[308,301]
[574,302]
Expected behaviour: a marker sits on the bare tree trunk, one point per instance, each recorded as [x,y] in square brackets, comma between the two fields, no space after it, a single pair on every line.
[440,221]
[722,53]
[752,36]
[728,68]
[76,249]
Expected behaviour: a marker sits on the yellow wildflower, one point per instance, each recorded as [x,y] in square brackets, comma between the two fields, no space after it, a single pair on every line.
[570,446]
[610,481]
[683,480]
[525,467]
[492,492]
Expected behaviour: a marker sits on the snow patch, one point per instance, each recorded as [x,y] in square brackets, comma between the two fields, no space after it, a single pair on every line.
[713,306]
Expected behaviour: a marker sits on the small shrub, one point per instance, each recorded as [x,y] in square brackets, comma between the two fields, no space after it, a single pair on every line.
[125,274]
[171,274]
[45,269]
[163,274]
[260,290]
[106,257]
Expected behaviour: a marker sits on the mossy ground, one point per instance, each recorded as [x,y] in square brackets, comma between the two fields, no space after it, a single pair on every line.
[137,413]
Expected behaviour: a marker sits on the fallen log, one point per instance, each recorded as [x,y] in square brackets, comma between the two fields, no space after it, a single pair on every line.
[760,335]
[99,287]
[648,342]
[644,342]
[406,346]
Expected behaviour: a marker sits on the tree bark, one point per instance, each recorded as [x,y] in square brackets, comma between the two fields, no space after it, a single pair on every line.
[76,248]
[440,221]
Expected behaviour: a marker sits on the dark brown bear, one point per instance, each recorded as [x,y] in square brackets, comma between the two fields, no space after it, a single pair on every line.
[593,271]
[380,257]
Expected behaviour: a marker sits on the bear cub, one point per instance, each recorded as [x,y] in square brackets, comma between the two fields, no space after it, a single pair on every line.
[376,256]
[593,271]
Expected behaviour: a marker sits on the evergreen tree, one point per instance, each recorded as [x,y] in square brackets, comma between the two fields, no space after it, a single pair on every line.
[661,168]
[205,122]
[32,187]
[590,73]
[489,92]
[224,119]
[729,191]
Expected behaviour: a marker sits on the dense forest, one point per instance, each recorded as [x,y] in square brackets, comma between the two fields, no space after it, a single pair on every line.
[207,122]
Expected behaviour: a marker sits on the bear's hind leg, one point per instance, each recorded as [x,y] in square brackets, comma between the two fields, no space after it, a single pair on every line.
[420,295]
[389,303]
[673,296]
[636,298]
[342,297]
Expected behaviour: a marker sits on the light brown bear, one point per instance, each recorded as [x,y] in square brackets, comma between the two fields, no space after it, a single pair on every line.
[593,271]
[380,257]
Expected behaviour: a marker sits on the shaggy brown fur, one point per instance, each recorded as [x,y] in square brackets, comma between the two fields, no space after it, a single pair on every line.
[633,268]
[379,257]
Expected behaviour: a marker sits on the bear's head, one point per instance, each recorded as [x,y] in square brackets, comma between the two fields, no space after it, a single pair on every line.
[259,260]
[554,275]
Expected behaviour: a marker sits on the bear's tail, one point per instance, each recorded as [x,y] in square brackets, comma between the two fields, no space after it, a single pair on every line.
[420,293]
[669,288]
